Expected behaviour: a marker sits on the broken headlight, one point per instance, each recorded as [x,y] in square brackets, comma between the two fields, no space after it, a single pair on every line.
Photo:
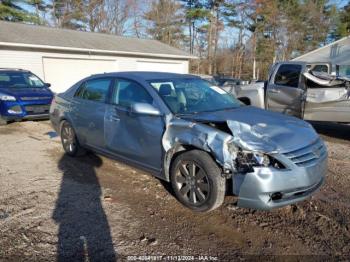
[246,161]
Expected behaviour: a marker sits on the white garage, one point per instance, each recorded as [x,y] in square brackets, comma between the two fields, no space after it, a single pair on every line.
[73,69]
[62,57]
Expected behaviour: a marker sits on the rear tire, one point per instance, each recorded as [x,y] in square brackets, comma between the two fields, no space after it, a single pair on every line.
[197,182]
[69,140]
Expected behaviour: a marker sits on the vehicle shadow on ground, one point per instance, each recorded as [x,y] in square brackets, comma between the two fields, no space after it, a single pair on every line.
[335,130]
[84,233]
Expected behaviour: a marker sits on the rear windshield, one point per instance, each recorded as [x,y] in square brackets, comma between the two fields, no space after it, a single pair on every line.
[20,80]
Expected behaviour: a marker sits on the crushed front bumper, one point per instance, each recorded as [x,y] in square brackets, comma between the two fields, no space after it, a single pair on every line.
[267,188]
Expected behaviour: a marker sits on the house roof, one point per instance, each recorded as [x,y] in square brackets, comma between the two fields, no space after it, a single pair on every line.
[42,37]
[337,52]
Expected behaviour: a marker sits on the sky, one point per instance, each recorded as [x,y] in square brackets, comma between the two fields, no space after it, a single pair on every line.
[339,3]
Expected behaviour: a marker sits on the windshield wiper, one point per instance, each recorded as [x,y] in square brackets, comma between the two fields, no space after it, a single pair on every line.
[186,114]
[207,111]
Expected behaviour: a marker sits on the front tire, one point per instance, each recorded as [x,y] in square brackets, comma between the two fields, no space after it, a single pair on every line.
[69,140]
[3,122]
[197,182]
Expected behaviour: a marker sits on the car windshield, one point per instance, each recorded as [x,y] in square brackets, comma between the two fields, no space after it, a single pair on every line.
[20,80]
[193,95]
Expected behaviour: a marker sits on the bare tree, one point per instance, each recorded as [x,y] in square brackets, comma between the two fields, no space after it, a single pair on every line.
[116,15]
[108,16]
[166,22]
[94,11]
[136,22]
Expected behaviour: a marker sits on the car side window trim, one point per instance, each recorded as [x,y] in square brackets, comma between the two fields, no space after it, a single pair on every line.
[82,88]
[294,83]
[79,90]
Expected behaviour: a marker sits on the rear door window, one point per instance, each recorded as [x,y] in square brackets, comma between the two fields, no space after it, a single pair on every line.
[95,90]
[288,75]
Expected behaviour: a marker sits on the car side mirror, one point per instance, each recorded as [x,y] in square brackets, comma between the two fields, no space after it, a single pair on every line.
[47,85]
[145,109]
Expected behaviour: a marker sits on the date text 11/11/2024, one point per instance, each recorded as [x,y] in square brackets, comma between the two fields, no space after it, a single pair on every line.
[172,258]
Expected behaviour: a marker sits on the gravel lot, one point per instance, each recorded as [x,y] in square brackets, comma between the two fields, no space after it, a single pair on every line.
[94,209]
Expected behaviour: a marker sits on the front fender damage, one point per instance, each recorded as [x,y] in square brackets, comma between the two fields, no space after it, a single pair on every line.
[180,133]
[223,146]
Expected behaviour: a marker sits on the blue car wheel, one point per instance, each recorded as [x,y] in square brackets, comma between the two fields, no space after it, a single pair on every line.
[69,140]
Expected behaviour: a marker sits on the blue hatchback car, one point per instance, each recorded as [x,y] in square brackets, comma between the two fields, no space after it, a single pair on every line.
[23,95]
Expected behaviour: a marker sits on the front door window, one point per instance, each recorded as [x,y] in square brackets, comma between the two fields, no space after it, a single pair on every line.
[127,92]
[288,75]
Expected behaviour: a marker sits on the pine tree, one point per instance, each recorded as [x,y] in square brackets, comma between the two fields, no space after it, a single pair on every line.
[41,8]
[69,14]
[167,22]
[195,12]
[344,22]
[12,10]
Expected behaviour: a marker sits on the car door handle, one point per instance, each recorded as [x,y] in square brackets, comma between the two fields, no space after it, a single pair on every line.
[274,91]
[113,118]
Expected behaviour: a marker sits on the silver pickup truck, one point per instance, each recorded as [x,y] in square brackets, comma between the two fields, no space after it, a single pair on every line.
[306,90]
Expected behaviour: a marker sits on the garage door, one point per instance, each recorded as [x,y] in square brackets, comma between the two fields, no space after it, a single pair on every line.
[161,67]
[62,73]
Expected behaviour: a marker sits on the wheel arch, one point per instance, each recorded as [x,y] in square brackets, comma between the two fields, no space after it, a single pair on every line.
[65,118]
[175,151]
[60,123]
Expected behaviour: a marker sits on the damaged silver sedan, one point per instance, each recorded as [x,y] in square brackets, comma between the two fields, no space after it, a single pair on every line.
[193,135]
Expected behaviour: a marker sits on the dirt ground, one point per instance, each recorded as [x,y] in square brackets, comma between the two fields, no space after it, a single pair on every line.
[94,209]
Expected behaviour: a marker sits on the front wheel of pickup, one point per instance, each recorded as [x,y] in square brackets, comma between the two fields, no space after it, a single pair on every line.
[197,182]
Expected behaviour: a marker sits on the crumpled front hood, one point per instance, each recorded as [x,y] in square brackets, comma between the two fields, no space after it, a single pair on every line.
[261,130]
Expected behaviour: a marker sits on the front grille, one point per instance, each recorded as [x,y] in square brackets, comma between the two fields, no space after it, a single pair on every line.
[37,109]
[308,155]
[33,98]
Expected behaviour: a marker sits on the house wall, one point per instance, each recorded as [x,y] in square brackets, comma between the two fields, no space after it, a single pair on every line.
[337,53]
[62,70]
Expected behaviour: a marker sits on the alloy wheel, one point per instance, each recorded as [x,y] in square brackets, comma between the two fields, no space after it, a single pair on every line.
[192,183]
[68,138]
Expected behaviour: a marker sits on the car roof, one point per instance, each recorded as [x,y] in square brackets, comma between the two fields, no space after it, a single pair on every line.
[226,78]
[13,70]
[141,75]
[303,63]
